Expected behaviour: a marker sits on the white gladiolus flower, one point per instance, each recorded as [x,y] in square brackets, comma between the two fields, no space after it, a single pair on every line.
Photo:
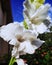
[20,38]
[24,41]
[36,19]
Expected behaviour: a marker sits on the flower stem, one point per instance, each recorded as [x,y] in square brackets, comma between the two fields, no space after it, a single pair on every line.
[12,60]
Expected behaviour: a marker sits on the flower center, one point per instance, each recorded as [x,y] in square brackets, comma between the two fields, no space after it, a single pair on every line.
[20,39]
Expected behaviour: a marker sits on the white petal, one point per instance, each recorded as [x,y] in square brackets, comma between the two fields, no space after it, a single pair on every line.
[41,18]
[9,31]
[28,35]
[34,30]
[37,43]
[41,11]
[15,52]
[21,46]
[41,28]
[29,8]
[17,55]
[28,47]
[19,30]
[20,62]
[14,41]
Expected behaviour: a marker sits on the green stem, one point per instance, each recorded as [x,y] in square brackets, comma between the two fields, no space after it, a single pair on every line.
[12,61]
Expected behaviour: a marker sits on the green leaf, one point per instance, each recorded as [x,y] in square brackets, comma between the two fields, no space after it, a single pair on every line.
[25,25]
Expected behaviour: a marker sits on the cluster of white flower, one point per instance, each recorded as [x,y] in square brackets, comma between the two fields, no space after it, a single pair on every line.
[23,36]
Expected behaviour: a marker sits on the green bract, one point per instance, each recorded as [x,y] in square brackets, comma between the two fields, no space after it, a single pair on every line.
[25,25]
[37,3]
[31,1]
[40,1]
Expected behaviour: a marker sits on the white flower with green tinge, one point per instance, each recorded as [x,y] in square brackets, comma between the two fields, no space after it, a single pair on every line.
[35,18]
